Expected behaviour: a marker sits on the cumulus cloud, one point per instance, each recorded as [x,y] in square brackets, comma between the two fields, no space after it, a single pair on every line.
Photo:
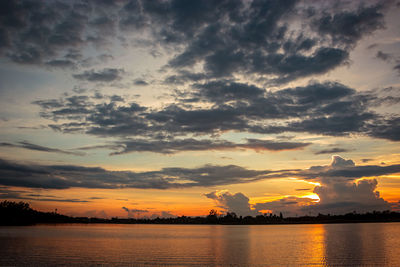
[343,197]
[338,194]
[339,162]
[237,203]
[337,197]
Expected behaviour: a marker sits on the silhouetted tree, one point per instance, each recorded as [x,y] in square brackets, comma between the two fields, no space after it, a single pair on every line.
[212,216]
[13,213]
[231,215]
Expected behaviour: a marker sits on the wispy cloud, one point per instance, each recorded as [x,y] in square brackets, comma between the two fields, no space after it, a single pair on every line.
[334,150]
[6,193]
[31,146]
[105,75]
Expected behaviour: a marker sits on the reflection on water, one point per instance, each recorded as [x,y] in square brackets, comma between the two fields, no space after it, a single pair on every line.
[266,245]
[360,244]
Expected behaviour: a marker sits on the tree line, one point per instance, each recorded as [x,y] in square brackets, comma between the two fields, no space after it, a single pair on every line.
[20,213]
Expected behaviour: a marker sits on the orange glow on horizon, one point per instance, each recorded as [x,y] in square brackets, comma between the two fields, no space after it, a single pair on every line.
[314,197]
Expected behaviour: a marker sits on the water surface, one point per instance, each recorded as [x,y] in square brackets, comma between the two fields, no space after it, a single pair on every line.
[369,244]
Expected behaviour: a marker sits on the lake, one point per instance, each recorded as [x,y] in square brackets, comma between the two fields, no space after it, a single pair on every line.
[367,244]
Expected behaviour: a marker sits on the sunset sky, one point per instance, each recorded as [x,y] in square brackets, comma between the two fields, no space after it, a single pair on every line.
[168,108]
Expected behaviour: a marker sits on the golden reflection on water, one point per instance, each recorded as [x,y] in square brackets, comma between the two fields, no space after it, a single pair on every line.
[358,244]
[202,245]
[288,245]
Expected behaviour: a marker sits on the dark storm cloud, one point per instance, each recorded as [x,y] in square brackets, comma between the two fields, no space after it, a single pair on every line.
[222,91]
[44,32]
[347,27]
[104,75]
[291,67]
[30,146]
[225,37]
[237,37]
[327,108]
[386,128]
[246,39]
[40,30]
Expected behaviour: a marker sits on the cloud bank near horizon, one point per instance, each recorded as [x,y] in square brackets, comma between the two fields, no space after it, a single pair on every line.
[337,195]
[73,176]
[340,188]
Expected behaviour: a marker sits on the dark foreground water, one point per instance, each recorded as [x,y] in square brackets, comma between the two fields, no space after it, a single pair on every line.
[374,244]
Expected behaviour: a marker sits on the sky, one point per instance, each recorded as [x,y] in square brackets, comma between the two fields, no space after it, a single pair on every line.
[172,107]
